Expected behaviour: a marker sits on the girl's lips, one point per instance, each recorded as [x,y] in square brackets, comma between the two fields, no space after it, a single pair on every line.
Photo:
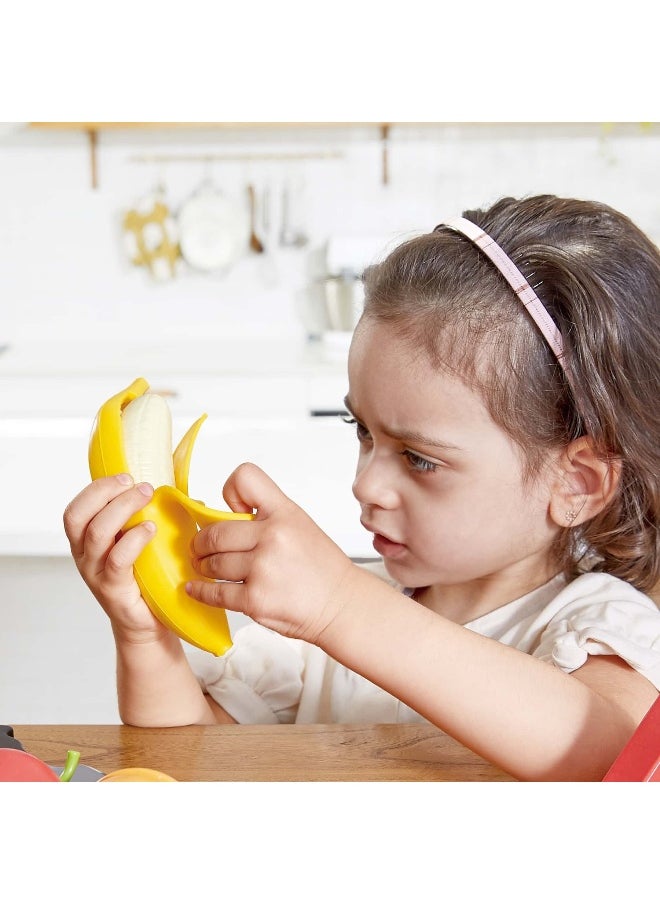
[388,549]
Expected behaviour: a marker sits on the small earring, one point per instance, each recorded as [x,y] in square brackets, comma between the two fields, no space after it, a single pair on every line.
[570,516]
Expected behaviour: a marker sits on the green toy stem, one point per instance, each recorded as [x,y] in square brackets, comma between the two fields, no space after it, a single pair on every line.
[70,766]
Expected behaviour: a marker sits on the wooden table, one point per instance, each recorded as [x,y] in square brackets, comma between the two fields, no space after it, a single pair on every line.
[267,753]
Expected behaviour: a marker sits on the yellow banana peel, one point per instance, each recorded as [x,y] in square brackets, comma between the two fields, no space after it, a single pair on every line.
[163,567]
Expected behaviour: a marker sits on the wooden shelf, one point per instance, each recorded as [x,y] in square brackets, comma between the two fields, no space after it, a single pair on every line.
[99,126]
[382,130]
[92,130]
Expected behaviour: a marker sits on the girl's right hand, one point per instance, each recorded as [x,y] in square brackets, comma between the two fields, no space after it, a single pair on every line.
[104,556]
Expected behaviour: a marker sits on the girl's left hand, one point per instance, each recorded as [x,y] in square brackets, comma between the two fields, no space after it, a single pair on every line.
[293,577]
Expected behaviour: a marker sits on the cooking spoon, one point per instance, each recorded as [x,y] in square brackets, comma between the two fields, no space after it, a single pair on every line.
[255,243]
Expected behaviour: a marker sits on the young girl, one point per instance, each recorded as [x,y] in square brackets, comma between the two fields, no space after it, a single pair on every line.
[508,468]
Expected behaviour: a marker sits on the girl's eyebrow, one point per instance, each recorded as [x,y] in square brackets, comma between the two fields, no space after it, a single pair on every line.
[410,436]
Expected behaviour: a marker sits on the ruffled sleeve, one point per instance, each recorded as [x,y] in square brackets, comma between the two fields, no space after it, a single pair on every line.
[259,679]
[607,621]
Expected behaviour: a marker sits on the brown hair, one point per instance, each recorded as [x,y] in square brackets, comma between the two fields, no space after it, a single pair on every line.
[599,277]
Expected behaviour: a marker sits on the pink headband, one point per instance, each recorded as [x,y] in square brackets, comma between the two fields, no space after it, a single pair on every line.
[516,280]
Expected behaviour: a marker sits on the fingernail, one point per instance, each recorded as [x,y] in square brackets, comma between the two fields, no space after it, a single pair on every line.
[188,587]
[150,526]
[125,479]
[146,489]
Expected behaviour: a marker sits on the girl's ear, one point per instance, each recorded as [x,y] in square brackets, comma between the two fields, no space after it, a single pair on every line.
[585,483]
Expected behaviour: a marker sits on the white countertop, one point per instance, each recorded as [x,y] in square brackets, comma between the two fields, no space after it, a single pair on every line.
[235,355]
[235,377]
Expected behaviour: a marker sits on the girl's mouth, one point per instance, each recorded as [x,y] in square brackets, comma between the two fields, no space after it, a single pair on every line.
[388,549]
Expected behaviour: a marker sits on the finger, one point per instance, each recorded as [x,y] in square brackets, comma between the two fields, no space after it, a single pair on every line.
[121,558]
[226,566]
[224,595]
[248,488]
[226,536]
[103,529]
[89,501]
[83,507]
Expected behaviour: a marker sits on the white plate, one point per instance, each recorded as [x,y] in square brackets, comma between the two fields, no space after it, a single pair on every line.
[83,773]
[213,231]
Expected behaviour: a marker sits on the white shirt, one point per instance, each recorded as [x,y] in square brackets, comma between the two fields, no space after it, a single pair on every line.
[267,678]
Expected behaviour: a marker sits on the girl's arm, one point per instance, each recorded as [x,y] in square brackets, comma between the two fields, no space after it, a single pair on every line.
[525,715]
[155,684]
[156,687]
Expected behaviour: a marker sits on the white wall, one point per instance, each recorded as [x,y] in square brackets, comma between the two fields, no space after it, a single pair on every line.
[65,272]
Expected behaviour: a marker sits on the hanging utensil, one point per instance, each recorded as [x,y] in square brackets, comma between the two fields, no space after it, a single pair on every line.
[269,269]
[150,235]
[256,244]
[213,230]
[289,237]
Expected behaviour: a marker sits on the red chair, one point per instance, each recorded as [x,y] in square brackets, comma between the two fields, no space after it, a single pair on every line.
[639,761]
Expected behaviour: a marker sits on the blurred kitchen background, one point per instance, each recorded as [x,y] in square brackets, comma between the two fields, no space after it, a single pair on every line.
[222,262]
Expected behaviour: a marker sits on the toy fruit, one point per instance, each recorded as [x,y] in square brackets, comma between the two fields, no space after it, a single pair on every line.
[133,433]
[137,774]
[21,766]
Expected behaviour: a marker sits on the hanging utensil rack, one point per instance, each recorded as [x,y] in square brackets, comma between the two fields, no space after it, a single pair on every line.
[218,158]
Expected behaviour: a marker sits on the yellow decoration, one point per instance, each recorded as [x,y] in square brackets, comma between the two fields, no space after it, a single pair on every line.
[151,238]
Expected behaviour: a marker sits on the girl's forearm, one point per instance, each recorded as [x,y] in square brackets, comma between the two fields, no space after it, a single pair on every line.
[524,715]
[156,686]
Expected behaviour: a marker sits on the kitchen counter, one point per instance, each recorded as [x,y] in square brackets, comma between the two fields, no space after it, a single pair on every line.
[235,355]
[259,397]
[239,376]
[43,462]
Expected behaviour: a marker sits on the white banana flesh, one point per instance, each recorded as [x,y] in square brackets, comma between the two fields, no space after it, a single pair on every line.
[147,439]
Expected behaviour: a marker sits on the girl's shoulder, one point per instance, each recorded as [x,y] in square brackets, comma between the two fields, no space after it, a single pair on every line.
[598,614]
[594,587]
[565,623]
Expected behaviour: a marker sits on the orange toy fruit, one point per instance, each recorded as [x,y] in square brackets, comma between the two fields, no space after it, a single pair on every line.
[137,774]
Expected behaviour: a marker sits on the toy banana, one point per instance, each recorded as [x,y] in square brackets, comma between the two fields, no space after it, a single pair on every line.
[132,433]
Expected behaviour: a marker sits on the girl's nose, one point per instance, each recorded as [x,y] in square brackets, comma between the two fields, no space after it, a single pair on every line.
[372,485]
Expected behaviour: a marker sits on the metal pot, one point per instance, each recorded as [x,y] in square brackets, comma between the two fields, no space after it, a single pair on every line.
[333,304]
[344,298]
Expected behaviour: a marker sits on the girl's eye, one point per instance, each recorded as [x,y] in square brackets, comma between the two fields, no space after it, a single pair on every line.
[360,429]
[418,463]
[415,461]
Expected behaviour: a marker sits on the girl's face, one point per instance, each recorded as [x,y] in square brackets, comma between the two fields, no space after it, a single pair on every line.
[439,483]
